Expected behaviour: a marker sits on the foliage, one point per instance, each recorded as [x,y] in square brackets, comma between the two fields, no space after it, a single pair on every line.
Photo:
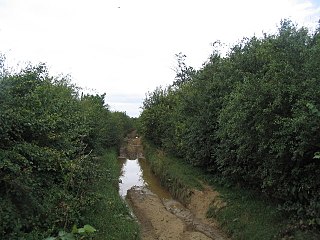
[173,173]
[155,117]
[49,135]
[184,73]
[250,117]
[83,232]
[244,216]
[110,215]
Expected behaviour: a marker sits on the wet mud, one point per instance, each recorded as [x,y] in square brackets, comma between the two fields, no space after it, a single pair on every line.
[160,216]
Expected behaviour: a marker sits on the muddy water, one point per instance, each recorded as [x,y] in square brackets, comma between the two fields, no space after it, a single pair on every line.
[160,216]
[138,173]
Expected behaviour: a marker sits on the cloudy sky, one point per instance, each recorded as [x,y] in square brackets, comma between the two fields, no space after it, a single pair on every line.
[125,48]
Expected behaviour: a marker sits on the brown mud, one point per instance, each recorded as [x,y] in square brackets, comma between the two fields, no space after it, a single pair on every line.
[166,218]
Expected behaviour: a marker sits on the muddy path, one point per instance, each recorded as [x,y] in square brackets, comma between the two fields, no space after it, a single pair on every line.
[162,217]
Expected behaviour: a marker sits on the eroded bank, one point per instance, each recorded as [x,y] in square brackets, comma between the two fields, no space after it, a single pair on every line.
[159,215]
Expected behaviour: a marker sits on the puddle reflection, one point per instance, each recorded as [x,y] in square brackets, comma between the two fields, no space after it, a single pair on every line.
[138,173]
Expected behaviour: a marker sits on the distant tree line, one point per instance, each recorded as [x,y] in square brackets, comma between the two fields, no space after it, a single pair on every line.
[251,117]
[50,135]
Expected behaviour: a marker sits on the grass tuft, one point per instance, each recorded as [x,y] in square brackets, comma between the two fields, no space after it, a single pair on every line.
[178,180]
[110,214]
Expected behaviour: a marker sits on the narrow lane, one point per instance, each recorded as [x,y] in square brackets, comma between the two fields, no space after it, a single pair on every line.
[160,216]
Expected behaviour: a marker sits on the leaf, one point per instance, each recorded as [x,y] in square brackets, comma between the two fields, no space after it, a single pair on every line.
[61,233]
[74,229]
[89,229]
[50,238]
[81,230]
[317,155]
[313,109]
[68,236]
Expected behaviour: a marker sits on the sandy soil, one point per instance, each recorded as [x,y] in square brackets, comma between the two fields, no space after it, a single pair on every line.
[169,219]
[156,221]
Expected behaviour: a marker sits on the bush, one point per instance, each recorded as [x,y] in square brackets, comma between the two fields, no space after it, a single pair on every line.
[251,117]
[48,137]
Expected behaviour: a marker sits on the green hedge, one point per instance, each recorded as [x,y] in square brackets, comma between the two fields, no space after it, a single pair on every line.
[252,117]
[48,137]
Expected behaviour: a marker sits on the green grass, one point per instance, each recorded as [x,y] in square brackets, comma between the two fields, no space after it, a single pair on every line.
[110,214]
[177,177]
[247,216]
[251,216]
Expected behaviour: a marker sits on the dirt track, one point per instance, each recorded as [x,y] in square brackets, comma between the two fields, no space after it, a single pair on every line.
[169,219]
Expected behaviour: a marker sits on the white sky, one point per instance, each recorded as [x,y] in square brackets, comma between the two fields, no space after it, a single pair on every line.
[125,48]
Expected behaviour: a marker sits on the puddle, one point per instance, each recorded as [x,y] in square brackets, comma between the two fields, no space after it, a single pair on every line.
[138,173]
[160,216]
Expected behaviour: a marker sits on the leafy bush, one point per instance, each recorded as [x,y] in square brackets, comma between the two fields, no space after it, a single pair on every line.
[47,135]
[251,117]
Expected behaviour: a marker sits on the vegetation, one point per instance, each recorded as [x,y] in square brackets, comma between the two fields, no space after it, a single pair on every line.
[110,214]
[85,231]
[245,216]
[178,177]
[250,118]
[50,137]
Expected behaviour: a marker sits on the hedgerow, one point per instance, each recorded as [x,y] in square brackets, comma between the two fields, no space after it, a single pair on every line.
[49,136]
[250,117]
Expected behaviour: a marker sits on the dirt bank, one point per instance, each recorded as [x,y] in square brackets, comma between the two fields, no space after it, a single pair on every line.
[167,218]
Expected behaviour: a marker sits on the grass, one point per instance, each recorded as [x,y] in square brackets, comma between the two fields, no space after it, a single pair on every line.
[177,177]
[110,214]
[247,215]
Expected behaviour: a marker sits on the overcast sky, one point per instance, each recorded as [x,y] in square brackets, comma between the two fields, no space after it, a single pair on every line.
[125,48]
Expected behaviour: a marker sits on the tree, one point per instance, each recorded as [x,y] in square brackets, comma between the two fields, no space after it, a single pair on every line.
[184,73]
